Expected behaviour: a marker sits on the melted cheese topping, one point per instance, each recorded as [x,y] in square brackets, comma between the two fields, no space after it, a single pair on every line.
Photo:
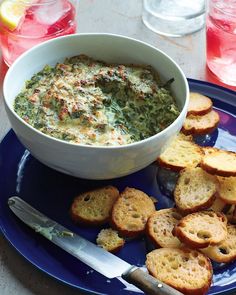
[90,102]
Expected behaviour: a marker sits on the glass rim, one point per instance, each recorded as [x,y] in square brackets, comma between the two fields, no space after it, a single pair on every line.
[222,9]
[36,2]
[172,17]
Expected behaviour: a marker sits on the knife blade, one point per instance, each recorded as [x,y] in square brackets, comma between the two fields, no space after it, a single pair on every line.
[94,256]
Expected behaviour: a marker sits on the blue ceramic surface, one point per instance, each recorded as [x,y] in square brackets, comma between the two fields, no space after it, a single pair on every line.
[52,193]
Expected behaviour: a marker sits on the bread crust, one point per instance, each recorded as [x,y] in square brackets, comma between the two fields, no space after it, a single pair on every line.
[93,208]
[195,190]
[225,251]
[201,229]
[199,104]
[219,205]
[220,162]
[201,125]
[159,228]
[227,190]
[208,150]
[130,212]
[178,272]
[231,214]
[181,153]
[109,240]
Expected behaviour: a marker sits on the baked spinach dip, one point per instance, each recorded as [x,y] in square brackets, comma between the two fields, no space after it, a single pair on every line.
[90,102]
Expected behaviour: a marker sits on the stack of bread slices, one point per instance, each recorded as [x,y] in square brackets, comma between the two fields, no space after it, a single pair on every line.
[204,217]
[201,118]
[202,225]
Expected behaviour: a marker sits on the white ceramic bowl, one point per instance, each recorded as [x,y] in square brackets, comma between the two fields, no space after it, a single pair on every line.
[93,162]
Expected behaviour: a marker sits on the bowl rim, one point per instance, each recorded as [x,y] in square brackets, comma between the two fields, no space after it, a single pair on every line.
[116,147]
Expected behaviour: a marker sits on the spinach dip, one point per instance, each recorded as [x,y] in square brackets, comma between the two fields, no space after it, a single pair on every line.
[86,101]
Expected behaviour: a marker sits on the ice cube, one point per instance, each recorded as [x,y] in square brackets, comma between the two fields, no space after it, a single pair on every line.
[51,13]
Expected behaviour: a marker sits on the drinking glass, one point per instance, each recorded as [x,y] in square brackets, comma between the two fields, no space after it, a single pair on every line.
[42,20]
[221,40]
[174,18]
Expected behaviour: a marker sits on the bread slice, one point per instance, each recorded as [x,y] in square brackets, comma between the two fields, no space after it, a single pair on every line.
[195,190]
[219,205]
[186,270]
[231,214]
[201,125]
[227,189]
[181,153]
[201,229]
[199,104]
[208,150]
[225,251]
[110,240]
[131,212]
[94,207]
[160,226]
[220,162]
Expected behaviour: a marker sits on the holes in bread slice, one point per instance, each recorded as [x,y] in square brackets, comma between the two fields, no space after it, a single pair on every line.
[186,181]
[87,198]
[136,215]
[224,250]
[202,262]
[203,234]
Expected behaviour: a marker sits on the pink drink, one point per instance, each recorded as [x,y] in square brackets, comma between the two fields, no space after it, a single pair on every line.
[40,23]
[221,40]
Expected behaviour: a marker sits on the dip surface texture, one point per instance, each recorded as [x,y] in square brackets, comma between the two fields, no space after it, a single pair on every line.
[91,102]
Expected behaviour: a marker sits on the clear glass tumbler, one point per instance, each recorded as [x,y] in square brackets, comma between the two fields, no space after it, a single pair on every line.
[41,20]
[221,40]
[174,18]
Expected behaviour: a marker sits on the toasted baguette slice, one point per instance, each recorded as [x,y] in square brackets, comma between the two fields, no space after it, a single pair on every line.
[110,240]
[200,125]
[131,212]
[94,207]
[227,189]
[160,226]
[231,214]
[201,229]
[195,190]
[208,150]
[220,162]
[199,104]
[225,251]
[219,205]
[181,153]
[188,271]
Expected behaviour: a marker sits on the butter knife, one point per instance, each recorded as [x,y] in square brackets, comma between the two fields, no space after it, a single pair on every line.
[97,258]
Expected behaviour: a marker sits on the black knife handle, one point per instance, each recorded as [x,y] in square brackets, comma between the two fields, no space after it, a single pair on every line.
[148,283]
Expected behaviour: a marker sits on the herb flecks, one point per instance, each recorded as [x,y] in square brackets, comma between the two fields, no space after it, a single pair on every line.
[82,100]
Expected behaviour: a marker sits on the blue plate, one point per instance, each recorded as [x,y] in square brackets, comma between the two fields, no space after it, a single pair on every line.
[52,193]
